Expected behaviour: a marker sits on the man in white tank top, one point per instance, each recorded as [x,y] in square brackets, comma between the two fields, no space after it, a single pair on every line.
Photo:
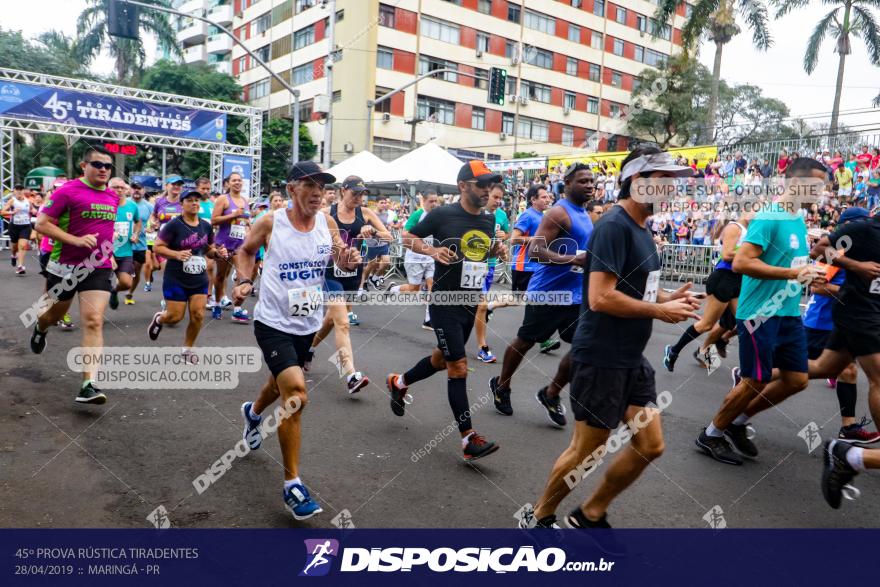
[299,242]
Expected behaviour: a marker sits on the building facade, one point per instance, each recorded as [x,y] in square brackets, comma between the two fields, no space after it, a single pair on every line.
[572,66]
[201,42]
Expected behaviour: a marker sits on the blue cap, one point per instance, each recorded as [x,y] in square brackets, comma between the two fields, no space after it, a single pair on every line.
[853,213]
[174,179]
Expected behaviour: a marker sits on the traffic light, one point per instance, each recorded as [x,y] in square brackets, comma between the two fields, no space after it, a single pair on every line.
[497,85]
[122,19]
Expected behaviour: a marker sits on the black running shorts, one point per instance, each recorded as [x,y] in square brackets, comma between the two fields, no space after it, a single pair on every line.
[859,343]
[95,280]
[541,322]
[520,280]
[282,350]
[724,285]
[600,396]
[452,327]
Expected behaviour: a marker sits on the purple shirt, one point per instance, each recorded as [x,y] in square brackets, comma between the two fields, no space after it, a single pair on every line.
[80,210]
[165,210]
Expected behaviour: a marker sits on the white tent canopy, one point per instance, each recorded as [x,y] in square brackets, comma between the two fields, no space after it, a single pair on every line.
[365,165]
[428,164]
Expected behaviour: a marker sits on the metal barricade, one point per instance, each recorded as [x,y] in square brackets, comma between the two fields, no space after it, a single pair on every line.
[396,251]
[683,263]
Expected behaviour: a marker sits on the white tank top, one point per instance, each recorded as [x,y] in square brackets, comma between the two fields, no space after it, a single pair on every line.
[21,211]
[292,283]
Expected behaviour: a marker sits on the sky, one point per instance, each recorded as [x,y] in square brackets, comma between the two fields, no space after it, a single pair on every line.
[778,71]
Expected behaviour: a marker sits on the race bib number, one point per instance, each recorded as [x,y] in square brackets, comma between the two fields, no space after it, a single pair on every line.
[799,262]
[59,269]
[304,301]
[575,268]
[21,218]
[238,231]
[473,275]
[151,236]
[121,229]
[651,286]
[875,286]
[340,272]
[195,265]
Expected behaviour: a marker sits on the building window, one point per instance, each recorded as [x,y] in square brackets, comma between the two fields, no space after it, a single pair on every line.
[478,119]
[569,101]
[642,22]
[440,30]
[304,4]
[576,3]
[507,123]
[574,33]
[567,136]
[535,91]
[482,80]
[596,40]
[636,83]
[571,66]
[386,15]
[614,111]
[654,58]
[639,54]
[510,50]
[485,6]
[618,47]
[593,105]
[384,58]
[264,53]
[514,13]
[621,15]
[483,42]
[302,74]
[259,89]
[383,107]
[511,85]
[540,22]
[688,10]
[664,32]
[599,7]
[337,95]
[612,141]
[538,57]
[457,2]
[616,79]
[304,37]
[436,110]
[262,23]
[305,110]
[531,128]
[429,64]
[595,72]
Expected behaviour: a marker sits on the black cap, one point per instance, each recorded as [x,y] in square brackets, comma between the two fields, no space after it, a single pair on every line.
[190,194]
[476,169]
[310,169]
[355,183]
[135,185]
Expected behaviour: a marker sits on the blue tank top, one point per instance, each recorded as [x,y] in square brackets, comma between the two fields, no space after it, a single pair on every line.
[722,264]
[568,278]
[818,312]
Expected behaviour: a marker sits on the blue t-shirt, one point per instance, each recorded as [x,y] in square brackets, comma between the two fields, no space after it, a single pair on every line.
[818,313]
[555,277]
[527,223]
[145,209]
[126,217]
[206,209]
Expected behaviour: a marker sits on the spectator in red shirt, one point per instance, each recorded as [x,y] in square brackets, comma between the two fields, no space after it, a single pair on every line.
[865,157]
[783,162]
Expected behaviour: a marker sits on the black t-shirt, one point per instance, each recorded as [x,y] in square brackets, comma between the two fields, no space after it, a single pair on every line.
[180,236]
[470,236]
[618,245]
[859,306]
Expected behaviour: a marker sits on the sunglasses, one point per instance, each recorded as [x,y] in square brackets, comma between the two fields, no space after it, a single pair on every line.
[99,165]
[482,184]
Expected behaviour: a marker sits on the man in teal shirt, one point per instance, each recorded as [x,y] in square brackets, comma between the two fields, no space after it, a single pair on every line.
[126,231]
[774,261]
[502,229]
[206,210]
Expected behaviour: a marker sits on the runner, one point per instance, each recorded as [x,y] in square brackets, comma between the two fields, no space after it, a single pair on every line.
[611,380]
[722,289]
[298,242]
[774,260]
[378,260]
[166,209]
[206,212]
[463,233]
[125,232]
[419,268]
[567,229]
[139,250]
[185,242]
[46,246]
[86,209]
[502,229]
[231,216]
[18,211]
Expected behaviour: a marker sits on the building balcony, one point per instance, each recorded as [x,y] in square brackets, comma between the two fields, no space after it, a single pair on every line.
[195,54]
[193,6]
[219,44]
[194,33]
[223,67]
[222,14]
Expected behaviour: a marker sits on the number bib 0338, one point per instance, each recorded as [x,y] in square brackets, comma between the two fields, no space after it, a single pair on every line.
[473,274]
[651,286]
[304,301]
[238,231]
[195,265]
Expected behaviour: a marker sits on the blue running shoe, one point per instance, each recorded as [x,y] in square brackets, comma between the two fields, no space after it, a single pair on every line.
[486,356]
[148,286]
[669,358]
[216,312]
[251,435]
[240,315]
[300,503]
[353,319]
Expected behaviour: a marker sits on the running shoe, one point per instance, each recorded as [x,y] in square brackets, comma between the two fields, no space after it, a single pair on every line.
[545,522]
[554,407]
[300,503]
[240,316]
[376,282]
[831,382]
[252,435]
[12,260]
[225,303]
[307,362]
[67,322]
[486,356]
[735,376]
[549,345]
[721,347]
[836,471]
[501,397]
[426,325]
[217,312]
[20,270]
[353,319]
[189,356]
[114,300]
[739,434]
[163,305]
[478,447]
[488,315]
[129,300]
[90,395]
[718,448]
[857,433]
[398,395]
[148,286]
[210,303]
[357,382]
[599,531]
[155,326]
[703,358]
[38,341]
[669,358]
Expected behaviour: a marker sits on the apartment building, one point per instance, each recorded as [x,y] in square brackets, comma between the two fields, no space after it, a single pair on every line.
[572,66]
[201,42]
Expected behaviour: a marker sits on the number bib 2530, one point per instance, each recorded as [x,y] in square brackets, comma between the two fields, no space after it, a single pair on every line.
[473,275]
[304,301]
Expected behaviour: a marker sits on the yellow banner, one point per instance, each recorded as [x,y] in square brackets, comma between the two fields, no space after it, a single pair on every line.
[702,154]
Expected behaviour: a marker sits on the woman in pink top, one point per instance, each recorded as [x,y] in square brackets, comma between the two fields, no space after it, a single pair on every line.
[783,162]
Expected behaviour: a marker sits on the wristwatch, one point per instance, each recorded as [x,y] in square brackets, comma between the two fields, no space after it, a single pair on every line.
[245,281]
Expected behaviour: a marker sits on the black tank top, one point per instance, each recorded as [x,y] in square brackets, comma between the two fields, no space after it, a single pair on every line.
[348,232]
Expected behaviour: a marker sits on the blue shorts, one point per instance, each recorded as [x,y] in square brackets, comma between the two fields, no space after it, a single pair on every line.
[175,292]
[779,342]
[490,277]
[376,252]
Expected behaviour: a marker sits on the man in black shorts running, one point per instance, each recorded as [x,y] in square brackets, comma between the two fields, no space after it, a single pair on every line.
[463,233]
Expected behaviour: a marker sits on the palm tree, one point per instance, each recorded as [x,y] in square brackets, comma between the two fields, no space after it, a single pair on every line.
[717,20]
[129,54]
[857,21]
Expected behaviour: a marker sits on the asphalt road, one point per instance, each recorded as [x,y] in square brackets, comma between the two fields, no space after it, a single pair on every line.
[67,465]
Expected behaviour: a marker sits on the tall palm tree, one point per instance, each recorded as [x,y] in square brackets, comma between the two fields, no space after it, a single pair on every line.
[717,20]
[130,56]
[857,22]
